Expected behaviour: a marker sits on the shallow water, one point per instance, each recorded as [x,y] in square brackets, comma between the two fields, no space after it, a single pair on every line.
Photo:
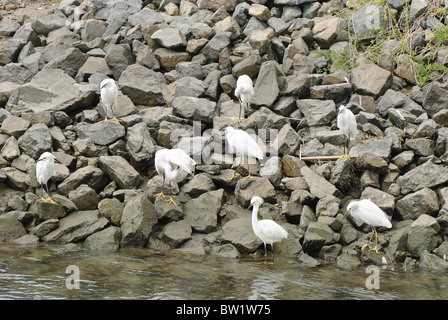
[39,272]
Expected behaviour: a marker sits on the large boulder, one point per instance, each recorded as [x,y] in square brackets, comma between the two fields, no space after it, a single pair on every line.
[202,213]
[10,228]
[119,170]
[239,233]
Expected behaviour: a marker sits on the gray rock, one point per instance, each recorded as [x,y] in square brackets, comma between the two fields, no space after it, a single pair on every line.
[433,262]
[112,209]
[212,49]
[50,211]
[10,149]
[145,17]
[170,38]
[104,240]
[267,86]
[10,50]
[348,261]
[93,29]
[413,205]
[240,234]
[53,90]
[422,235]
[165,210]
[43,25]
[368,20]
[184,87]
[36,140]
[70,61]
[89,175]
[101,133]
[16,73]
[15,178]
[246,188]
[120,171]
[435,98]
[426,175]
[84,197]
[369,79]
[226,251]
[403,159]
[142,85]
[202,213]
[76,227]
[193,108]
[14,126]
[339,93]
[175,233]
[119,57]
[10,228]
[45,227]
[317,235]
[200,184]
[421,146]
[318,185]
[317,112]
[138,219]
[250,66]
[169,59]
[341,174]
[139,143]
[327,29]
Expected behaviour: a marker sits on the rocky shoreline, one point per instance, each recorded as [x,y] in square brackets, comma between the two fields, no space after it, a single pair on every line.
[176,63]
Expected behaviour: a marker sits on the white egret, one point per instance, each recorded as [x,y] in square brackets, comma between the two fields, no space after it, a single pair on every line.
[109,96]
[242,144]
[244,92]
[168,162]
[44,171]
[368,212]
[267,230]
[346,122]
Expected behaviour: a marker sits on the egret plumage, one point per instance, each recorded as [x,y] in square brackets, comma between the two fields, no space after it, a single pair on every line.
[244,92]
[242,144]
[168,163]
[268,231]
[109,97]
[368,212]
[346,122]
[44,171]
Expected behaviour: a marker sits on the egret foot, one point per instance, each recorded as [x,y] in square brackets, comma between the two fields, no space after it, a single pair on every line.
[233,175]
[43,199]
[345,156]
[239,121]
[171,201]
[158,195]
[50,200]
[374,249]
[248,177]
[115,119]
[105,120]
[249,119]
[266,262]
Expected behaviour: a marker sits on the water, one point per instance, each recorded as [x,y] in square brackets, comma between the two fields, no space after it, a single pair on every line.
[39,272]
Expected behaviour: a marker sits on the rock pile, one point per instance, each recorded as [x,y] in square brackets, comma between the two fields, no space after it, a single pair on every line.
[176,63]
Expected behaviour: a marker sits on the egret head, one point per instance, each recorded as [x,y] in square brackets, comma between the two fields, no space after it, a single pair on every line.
[45,156]
[256,201]
[106,83]
[342,108]
[351,206]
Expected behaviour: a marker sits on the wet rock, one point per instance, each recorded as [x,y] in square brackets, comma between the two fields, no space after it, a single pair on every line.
[317,235]
[138,219]
[142,85]
[240,234]
[348,261]
[202,213]
[433,262]
[413,205]
[175,233]
[76,227]
[104,240]
[45,227]
[120,171]
[10,228]
[422,235]
[226,251]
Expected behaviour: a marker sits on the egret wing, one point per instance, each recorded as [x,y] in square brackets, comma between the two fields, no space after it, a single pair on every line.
[180,158]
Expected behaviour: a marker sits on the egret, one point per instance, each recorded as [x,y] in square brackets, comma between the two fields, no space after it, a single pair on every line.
[267,230]
[242,144]
[168,162]
[368,212]
[346,122]
[44,171]
[244,92]
[109,96]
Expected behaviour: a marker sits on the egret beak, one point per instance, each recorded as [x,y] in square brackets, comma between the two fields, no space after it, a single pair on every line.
[40,159]
[104,85]
[250,206]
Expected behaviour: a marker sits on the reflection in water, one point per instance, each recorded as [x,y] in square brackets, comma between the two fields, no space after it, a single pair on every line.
[40,273]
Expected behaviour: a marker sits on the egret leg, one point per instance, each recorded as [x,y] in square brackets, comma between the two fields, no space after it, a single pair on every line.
[248,169]
[233,175]
[42,198]
[249,119]
[170,200]
[48,193]
[346,155]
[239,121]
[376,240]
[105,120]
[158,195]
